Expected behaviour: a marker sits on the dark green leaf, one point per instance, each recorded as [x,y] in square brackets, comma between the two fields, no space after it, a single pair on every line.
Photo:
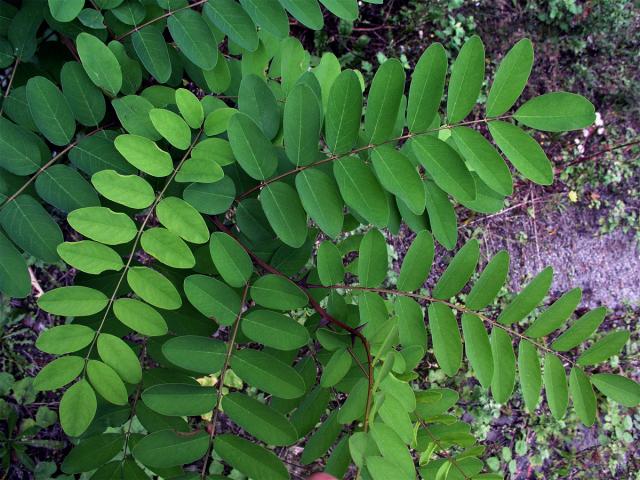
[427,87]
[178,399]
[581,329]
[478,348]
[442,217]
[504,365]
[344,112]
[529,374]
[232,19]
[584,399]
[557,112]
[604,348]
[50,111]
[212,298]
[554,316]
[119,356]
[139,317]
[555,384]
[64,188]
[281,205]
[447,345]
[617,388]
[250,459]
[274,330]
[383,101]
[490,282]
[84,98]
[372,260]
[278,293]
[511,78]
[528,299]
[194,38]
[399,176]
[100,63]
[458,272]
[166,448]
[152,51]
[198,354]
[417,262]
[267,373]
[301,126]
[467,75]
[254,152]
[321,199]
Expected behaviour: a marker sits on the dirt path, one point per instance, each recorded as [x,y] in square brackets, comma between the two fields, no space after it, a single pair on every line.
[606,267]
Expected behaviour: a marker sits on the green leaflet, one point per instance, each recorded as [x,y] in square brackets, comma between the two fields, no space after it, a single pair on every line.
[268,15]
[445,167]
[50,111]
[617,388]
[154,288]
[372,260]
[281,205]
[267,373]
[144,154]
[529,374]
[278,293]
[484,159]
[353,408]
[194,38]
[322,439]
[152,51]
[177,399]
[336,368]
[478,348]
[329,264]
[217,122]
[232,19]
[129,190]
[167,448]
[73,301]
[490,282]
[103,225]
[301,126]
[100,63]
[604,348]
[306,11]
[213,198]
[411,327]
[254,152]
[417,262]
[167,247]
[190,107]
[361,190]
[344,112]
[259,420]
[528,299]
[65,10]
[458,272]
[64,338]
[556,112]
[554,316]
[19,150]
[427,87]
[442,217]
[581,329]
[584,399]
[77,408]
[84,98]
[274,330]
[133,113]
[31,228]
[321,199]
[467,74]
[197,354]
[172,127]
[511,78]
[58,373]
[555,384]
[120,357]
[64,188]
[250,459]
[212,298]
[230,259]
[523,152]
[326,73]
[345,9]
[182,219]
[106,382]
[383,101]
[504,365]
[90,257]
[447,345]
[139,317]
[257,100]
[14,276]
[93,452]
[399,177]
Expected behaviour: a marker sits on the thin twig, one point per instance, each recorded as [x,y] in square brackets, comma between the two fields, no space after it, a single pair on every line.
[8,90]
[331,158]
[53,160]
[154,20]
[135,246]
[225,367]
[455,306]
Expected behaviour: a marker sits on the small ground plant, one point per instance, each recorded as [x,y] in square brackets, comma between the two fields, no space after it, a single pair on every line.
[221,195]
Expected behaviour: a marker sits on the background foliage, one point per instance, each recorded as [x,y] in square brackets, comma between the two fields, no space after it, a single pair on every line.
[54,118]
